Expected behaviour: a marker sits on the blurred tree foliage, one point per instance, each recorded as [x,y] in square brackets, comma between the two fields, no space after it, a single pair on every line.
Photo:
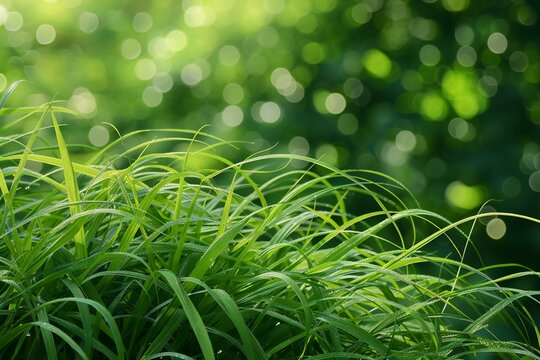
[442,94]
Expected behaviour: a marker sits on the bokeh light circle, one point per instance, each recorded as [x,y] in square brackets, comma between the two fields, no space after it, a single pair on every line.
[496,228]
[45,34]
[98,135]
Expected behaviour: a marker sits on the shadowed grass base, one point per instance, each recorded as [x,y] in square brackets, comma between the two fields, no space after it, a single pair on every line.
[186,255]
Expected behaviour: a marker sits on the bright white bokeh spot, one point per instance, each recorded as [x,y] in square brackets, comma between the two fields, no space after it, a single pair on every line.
[130,49]
[233,94]
[88,22]
[335,103]
[13,21]
[405,141]
[163,82]
[229,55]
[152,97]
[497,43]
[496,228]
[83,101]
[232,116]
[98,135]
[299,146]
[45,34]
[192,74]
[142,22]
[270,112]
[145,69]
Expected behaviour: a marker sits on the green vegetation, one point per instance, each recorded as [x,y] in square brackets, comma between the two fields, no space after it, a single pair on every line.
[122,235]
[135,252]
[432,92]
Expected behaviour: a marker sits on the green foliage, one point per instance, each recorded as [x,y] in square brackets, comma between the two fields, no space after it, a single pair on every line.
[185,254]
[342,80]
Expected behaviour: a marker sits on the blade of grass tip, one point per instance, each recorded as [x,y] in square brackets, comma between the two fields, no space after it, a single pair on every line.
[192,314]
[10,89]
[71,188]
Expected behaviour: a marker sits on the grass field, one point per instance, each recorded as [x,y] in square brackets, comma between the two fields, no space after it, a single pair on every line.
[130,252]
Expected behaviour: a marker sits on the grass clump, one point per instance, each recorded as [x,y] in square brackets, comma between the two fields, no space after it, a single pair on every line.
[137,253]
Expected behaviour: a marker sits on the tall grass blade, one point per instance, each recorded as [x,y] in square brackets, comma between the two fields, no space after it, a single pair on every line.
[194,318]
[72,189]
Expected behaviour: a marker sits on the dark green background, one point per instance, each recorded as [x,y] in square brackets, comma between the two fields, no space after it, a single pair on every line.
[441,94]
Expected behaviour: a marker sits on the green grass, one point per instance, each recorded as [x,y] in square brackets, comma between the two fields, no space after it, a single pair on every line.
[133,252]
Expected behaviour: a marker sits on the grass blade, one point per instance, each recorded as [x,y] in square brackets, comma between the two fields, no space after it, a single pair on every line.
[72,189]
[192,314]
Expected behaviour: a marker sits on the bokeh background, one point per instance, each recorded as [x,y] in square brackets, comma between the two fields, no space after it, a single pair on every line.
[441,94]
